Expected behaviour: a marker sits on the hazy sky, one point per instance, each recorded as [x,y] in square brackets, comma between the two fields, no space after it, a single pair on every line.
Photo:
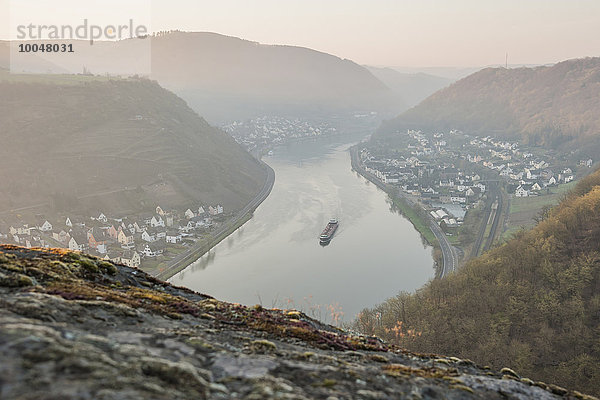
[378,32]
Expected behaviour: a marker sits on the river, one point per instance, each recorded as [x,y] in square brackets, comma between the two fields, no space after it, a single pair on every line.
[275,259]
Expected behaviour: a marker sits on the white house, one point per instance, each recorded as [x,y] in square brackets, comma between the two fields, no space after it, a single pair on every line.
[102,218]
[391,178]
[131,228]
[458,199]
[149,236]
[21,230]
[153,250]
[68,222]
[186,227]
[201,210]
[481,186]
[46,227]
[157,221]
[78,242]
[189,214]
[521,192]
[139,228]
[173,237]
[102,248]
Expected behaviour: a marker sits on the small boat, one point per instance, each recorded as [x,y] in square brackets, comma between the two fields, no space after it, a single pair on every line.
[328,232]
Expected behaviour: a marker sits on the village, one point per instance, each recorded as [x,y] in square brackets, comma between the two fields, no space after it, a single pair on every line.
[141,241]
[269,131]
[450,173]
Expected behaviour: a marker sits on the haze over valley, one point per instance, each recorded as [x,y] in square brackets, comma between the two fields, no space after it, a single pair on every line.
[386,200]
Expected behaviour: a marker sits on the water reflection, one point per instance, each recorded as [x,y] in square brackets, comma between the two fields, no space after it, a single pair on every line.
[276,259]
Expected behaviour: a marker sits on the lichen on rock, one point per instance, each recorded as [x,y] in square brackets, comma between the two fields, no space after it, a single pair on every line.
[75,327]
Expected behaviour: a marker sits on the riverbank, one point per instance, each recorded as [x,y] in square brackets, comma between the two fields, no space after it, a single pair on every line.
[243,216]
[410,211]
[274,259]
[445,255]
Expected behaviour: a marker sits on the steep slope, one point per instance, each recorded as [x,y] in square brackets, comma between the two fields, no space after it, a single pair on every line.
[260,78]
[411,88]
[532,304]
[544,105]
[227,78]
[74,327]
[74,137]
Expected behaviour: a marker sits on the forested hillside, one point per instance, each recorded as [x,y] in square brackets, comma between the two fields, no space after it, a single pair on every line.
[411,88]
[532,304]
[121,145]
[225,78]
[550,106]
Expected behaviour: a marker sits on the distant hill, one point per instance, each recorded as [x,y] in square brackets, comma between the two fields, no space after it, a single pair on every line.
[243,77]
[412,88]
[88,143]
[532,304]
[227,78]
[452,73]
[550,106]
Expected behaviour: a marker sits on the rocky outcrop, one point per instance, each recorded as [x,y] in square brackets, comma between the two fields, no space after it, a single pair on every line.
[75,327]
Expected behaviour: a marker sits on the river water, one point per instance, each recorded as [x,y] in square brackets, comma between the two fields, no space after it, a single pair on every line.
[275,259]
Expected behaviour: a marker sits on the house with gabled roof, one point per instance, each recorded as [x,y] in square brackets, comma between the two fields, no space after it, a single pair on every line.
[157,221]
[154,249]
[131,258]
[149,235]
[112,232]
[189,214]
[62,237]
[96,238]
[114,256]
[125,238]
[173,237]
[521,191]
[45,227]
[78,242]
[102,218]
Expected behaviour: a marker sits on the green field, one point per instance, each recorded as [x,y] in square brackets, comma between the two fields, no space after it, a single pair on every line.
[418,221]
[523,210]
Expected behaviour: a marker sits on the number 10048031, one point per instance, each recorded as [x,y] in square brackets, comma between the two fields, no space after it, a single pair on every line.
[45,48]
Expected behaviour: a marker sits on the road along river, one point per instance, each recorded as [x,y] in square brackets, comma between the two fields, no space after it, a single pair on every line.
[275,259]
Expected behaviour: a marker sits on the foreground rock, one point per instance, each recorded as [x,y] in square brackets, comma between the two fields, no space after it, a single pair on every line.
[74,327]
